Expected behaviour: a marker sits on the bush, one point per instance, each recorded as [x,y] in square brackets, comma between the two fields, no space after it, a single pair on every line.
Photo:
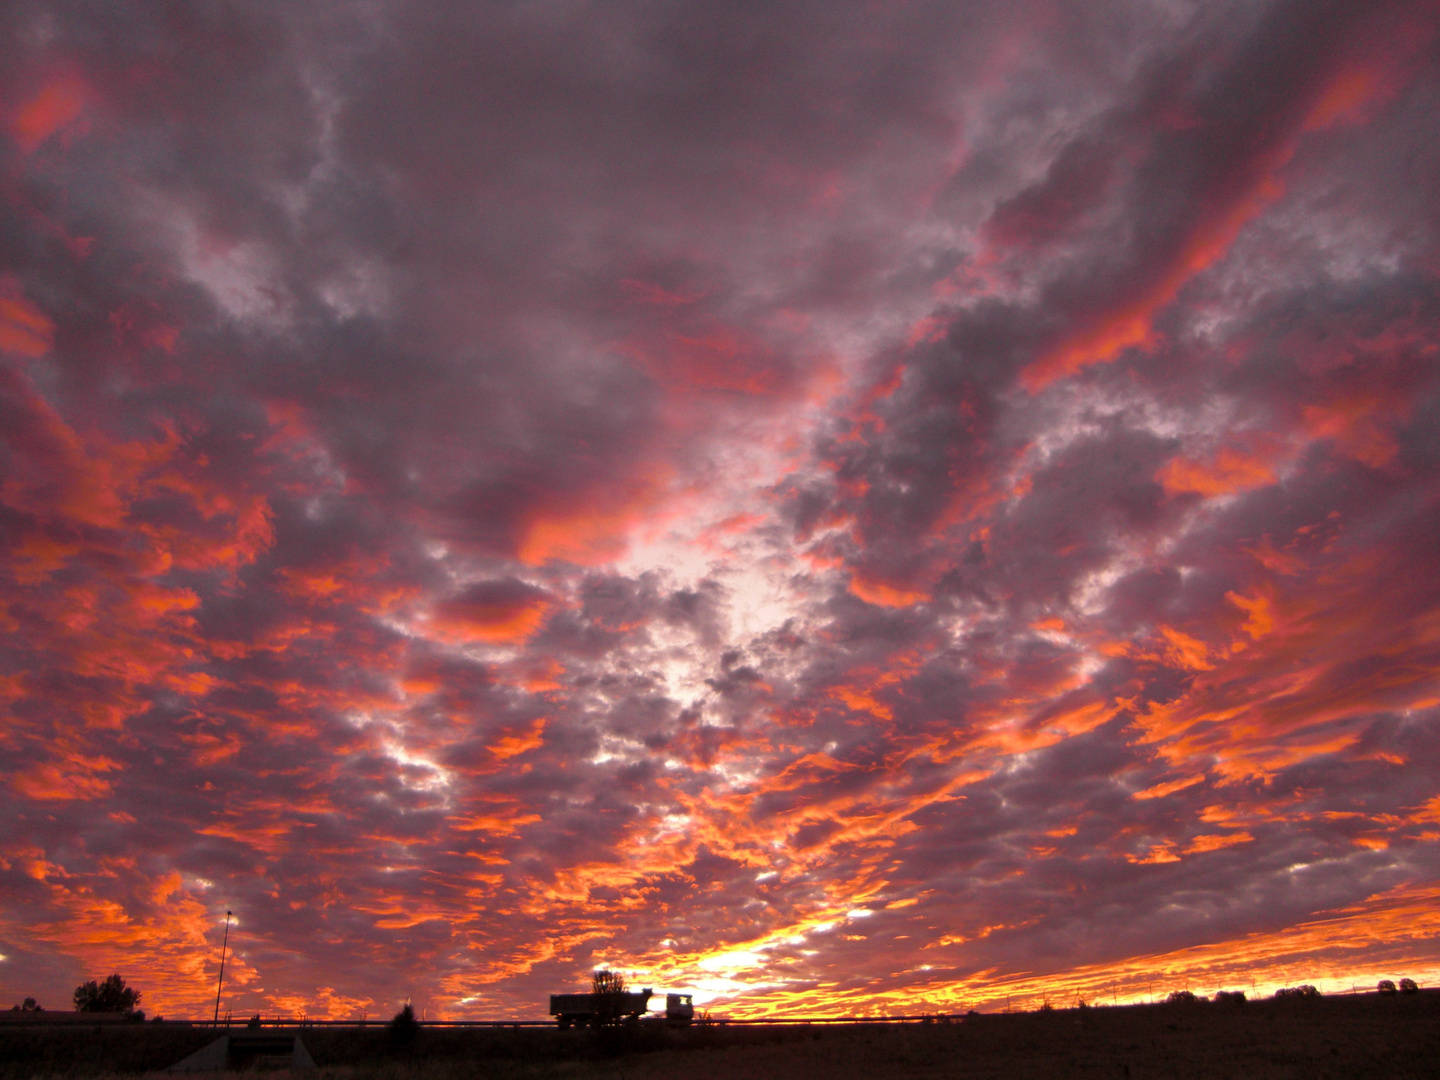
[1305,990]
[404,1027]
[1181,997]
[1230,997]
[1407,986]
[1386,987]
[111,996]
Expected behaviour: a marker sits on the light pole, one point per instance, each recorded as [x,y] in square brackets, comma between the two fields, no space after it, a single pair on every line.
[221,981]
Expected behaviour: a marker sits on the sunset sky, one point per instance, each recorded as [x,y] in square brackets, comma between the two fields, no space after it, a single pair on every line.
[834,507]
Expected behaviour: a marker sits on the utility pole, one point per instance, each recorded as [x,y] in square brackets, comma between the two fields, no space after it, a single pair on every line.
[221,981]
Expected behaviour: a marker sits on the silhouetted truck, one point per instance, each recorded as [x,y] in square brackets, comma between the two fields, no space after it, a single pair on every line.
[588,1010]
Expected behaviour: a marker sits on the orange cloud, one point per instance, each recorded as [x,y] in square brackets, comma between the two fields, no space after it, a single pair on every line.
[511,745]
[1185,651]
[1159,791]
[1125,329]
[76,779]
[1259,619]
[1229,474]
[883,594]
[497,612]
[1160,853]
[1216,841]
[862,701]
[595,527]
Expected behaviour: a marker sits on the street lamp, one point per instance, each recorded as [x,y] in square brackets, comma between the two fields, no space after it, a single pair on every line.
[221,981]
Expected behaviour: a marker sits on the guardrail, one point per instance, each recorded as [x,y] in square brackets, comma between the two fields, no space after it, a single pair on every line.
[299,1023]
[919,1018]
[290,1022]
[284,1022]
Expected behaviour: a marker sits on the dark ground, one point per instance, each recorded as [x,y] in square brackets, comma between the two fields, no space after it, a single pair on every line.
[1359,1036]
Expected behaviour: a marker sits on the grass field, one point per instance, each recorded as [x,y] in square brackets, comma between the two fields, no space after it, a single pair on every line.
[1360,1036]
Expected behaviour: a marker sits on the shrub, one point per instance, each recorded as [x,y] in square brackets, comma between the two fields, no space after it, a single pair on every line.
[1181,997]
[404,1027]
[1230,997]
[1407,986]
[1305,990]
[1386,987]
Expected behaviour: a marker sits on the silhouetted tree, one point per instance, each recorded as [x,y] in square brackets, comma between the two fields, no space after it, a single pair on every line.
[111,995]
[28,1005]
[404,1027]
[1182,997]
[1385,986]
[609,990]
[1407,986]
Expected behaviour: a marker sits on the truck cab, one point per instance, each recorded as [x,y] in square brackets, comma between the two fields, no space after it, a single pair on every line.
[679,1009]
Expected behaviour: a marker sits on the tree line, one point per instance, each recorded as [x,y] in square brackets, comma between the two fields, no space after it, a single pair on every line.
[109,995]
